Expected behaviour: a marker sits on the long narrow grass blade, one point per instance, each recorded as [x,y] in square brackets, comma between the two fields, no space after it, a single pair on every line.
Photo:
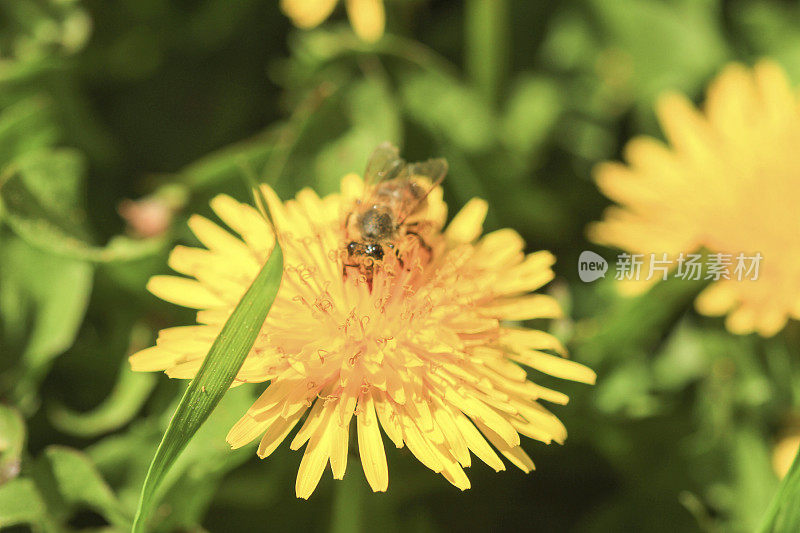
[784,510]
[213,380]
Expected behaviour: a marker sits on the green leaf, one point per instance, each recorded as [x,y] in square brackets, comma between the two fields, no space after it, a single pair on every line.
[569,43]
[372,106]
[342,156]
[445,106]
[49,184]
[42,202]
[12,442]
[80,484]
[373,114]
[636,325]
[783,513]
[122,456]
[20,503]
[531,113]
[130,392]
[683,359]
[214,378]
[753,476]
[660,46]
[194,479]
[43,299]
[25,126]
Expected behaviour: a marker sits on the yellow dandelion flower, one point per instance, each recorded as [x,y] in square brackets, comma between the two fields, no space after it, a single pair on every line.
[728,182]
[426,351]
[367,17]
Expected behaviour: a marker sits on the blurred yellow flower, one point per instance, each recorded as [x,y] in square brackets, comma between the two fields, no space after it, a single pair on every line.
[784,452]
[728,181]
[424,353]
[367,17]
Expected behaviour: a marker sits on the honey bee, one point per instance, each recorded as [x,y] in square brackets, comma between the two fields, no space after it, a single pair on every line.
[386,224]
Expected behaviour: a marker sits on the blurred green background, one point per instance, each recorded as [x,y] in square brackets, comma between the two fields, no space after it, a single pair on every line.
[172,102]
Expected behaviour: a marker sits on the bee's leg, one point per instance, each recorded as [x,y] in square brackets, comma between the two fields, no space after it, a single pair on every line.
[346,222]
[344,268]
[417,223]
[421,241]
[416,229]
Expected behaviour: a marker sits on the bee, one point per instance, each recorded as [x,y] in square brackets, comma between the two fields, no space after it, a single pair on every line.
[386,223]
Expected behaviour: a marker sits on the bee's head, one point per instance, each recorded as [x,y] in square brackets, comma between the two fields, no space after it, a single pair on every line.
[375,251]
[359,249]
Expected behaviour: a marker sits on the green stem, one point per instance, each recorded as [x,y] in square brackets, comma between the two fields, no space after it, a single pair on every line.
[415,53]
[348,500]
[487,61]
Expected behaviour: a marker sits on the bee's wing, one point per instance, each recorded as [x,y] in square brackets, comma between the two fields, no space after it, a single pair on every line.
[384,164]
[433,169]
